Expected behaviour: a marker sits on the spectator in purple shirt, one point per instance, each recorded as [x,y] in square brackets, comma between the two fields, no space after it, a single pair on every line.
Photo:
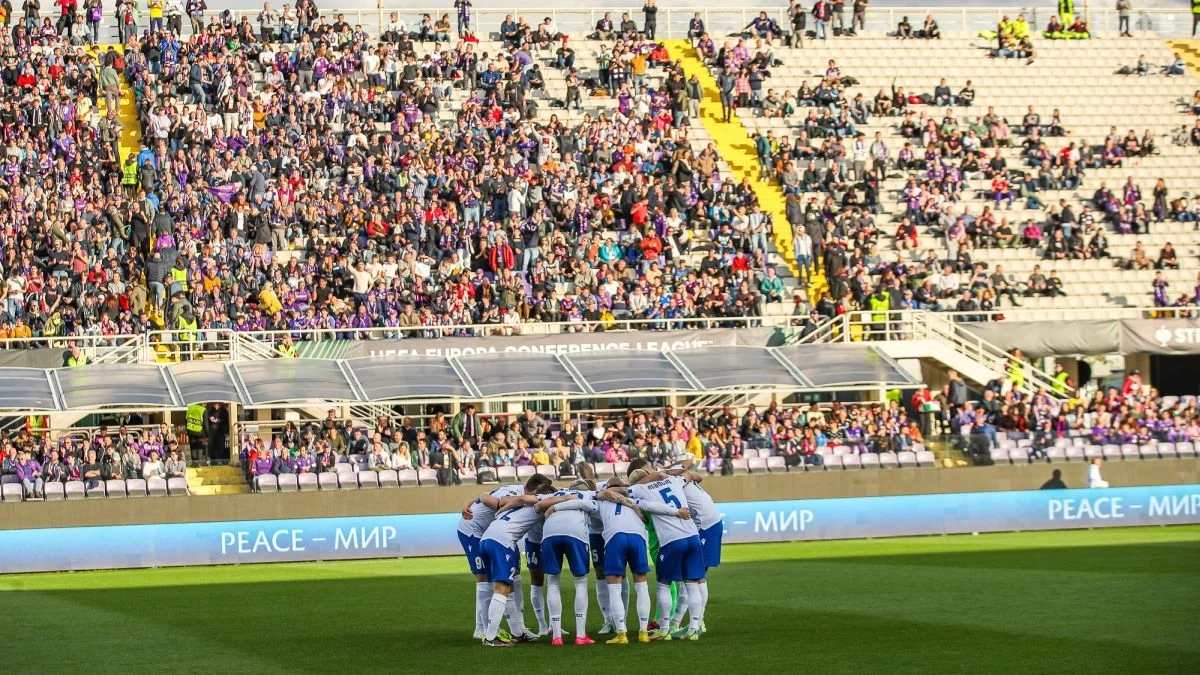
[29,472]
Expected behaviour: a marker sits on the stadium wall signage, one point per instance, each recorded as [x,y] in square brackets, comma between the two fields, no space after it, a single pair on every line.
[558,343]
[312,539]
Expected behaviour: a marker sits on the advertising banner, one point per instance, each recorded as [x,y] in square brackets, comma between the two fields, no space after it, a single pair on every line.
[1165,336]
[311,539]
[555,343]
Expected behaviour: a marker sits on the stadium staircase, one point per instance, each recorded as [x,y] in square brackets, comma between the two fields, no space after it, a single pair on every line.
[738,151]
[1076,76]
[1189,50]
[216,480]
[131,135]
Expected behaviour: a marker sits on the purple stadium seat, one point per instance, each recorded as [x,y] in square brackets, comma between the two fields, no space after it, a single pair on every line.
[12,492]
[266,483]
[1062,442]
[740,466]
[1025,443]
[408,477]
[1000,456]
[177,487]
[288,482]
[1164,450]
[548,470]
[525,472]
[359,462]
[389,479]
[427,477]
[907,458]
[1058,454]
[506,474]
[851,461]
[1079,441]
[1185,449]
[1110,452]
[156,487]
[1006,444]
[54,491]
[96,492]
[348,480]
[9,478]
[368,479]
[605,470]
[1021,455]
[1077,454]
[115,489]
[468,476]
[1131,451]
[824,451]
[307,482]
[841,450]
[74,489]
[776,465]
[757,464]
[834,462]
[342,468]
[888,460]
[925,458]
[749,453]
[327,480]
[1094,451]
[869,460]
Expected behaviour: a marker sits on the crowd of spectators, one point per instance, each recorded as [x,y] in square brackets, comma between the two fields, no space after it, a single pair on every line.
[304,174]
[469,443]
[122,454]
[1132,413]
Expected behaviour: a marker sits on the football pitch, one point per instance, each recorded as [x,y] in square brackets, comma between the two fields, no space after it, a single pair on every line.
[1100,601]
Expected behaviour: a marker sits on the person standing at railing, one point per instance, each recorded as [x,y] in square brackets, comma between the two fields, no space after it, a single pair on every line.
[650,10]
[820,15]
[156,15]
[859,22]
[174,11]
[463,13]
[195,11]
[1123,9]
[268,22]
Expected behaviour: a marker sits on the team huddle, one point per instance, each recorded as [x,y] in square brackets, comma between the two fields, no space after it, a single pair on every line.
[614,527]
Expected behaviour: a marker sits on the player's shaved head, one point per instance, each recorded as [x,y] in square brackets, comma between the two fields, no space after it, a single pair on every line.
[536,483]
[638,476]
[615,482]
[583,484]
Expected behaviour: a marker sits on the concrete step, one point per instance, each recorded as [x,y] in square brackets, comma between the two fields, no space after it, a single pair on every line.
[210,490]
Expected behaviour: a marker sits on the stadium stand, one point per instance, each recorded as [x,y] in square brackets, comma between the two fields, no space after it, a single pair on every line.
[919,211]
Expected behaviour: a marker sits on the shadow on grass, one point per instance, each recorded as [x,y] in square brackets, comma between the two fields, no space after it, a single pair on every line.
[765,617]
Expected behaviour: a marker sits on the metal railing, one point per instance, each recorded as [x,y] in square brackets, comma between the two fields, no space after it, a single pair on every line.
[722,21]
[868,326]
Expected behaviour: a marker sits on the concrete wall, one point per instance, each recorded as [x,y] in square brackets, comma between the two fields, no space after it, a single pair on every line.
[796,485]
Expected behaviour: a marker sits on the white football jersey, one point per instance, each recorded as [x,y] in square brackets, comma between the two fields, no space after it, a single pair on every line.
[618,518]
[512,525]
[482,515]
[572,522]
[595,525]
[668,491]
[703,508]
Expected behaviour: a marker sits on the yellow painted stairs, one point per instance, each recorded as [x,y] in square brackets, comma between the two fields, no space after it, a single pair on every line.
[736,147]
[1190,51]
[216,480]
[131,135]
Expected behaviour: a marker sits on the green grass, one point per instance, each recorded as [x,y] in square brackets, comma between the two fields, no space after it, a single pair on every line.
[1101,601]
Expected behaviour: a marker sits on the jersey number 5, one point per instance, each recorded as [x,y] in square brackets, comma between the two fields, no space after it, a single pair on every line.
[670,498]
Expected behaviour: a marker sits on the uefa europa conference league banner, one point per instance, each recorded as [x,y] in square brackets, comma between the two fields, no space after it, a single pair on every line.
[268,541]
[556,343]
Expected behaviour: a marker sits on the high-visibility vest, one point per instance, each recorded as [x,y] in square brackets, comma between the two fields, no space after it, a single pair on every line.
[36,423]
[1066,12]
[80,361]
[879,308]
[1016,372]
[187,328]
[1060,382]
[130,173]
[1195,6]
[195,418]
[288,351]
[179,277]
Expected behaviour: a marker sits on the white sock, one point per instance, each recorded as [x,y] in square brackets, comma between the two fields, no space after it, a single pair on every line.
[664,603]
[496,609]
[643,604]
[703,598]
[516,618]
[695,604]
[681,608]
[602,599]
[618,609]
[483,597]
[581,606]
[554,603]
[537,596]
[518,594]
[624,596]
